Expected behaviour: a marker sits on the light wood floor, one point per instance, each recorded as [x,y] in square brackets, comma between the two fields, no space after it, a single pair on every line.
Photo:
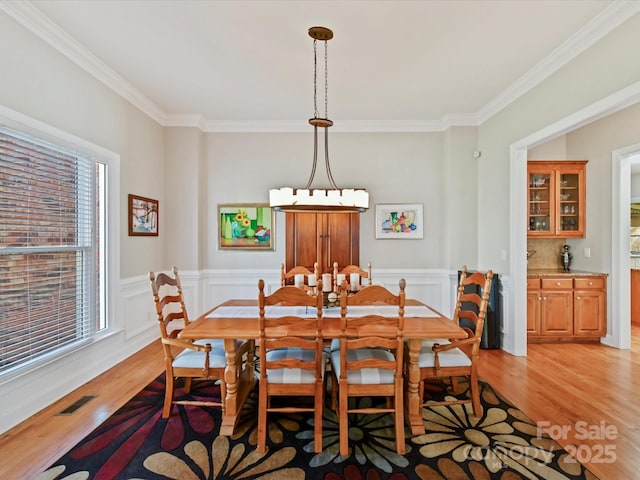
[578,387]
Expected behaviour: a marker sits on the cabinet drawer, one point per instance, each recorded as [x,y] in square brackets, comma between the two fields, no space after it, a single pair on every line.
[591,282]
[557,284]
[533,284]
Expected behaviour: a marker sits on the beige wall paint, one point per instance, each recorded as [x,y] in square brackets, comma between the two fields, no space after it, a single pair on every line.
[39,82]
[635,186]
[591,76]
[393,167]
[596,141]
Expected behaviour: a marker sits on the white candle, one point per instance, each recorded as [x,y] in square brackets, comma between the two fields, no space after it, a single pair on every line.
[341,277]
[354,281]
[312,280]
[299,280]
[326,282]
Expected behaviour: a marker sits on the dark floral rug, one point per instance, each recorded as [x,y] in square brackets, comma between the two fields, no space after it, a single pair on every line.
[136,443]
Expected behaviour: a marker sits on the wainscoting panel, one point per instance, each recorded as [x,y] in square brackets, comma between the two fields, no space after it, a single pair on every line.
[431,286]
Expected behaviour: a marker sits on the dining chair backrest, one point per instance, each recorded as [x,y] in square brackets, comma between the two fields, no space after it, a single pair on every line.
[292,359]
[289,277]
[472,301]
[182,358]
[351,269]
[455,358]
[169,302]
[369,361]
[381,331]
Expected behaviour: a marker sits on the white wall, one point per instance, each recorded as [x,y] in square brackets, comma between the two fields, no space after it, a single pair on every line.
[596,141]
[394,167]
[38,82]
[601,71]
[635,187]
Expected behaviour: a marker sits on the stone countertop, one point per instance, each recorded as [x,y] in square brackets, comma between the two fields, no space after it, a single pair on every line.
[544,272]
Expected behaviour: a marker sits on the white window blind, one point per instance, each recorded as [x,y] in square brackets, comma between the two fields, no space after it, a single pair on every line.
[51,229]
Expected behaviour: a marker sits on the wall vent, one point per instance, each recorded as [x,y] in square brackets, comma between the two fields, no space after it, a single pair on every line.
[71,409]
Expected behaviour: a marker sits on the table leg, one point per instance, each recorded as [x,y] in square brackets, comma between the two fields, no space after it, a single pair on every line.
[414,408]
[239,382]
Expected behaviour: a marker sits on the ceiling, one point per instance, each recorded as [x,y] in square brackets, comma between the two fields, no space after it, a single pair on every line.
[247,65]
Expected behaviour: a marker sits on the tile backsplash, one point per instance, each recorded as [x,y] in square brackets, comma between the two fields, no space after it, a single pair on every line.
[547,252]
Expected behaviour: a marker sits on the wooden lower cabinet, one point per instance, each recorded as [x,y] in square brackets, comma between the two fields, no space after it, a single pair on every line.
[566,308]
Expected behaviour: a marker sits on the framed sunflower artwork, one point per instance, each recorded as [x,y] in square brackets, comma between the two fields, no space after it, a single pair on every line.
[245,227]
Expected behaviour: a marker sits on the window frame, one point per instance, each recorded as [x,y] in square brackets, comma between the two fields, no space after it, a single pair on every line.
[109,248]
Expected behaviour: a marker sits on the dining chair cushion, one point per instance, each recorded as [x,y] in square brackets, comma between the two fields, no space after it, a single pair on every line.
[192,359]
[428,344]
[365,375]
[449,358]
[292,375]
[216,343]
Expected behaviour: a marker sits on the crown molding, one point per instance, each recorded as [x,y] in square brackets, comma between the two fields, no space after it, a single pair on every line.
[603,24]
[31,18]
[35,21]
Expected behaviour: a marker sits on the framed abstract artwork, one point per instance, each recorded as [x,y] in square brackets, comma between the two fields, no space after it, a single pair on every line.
[245,226]
[143,216]
[399,221]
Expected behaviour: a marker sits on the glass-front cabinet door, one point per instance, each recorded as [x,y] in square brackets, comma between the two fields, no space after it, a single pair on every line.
[556,198]
[540,203]
[569,195]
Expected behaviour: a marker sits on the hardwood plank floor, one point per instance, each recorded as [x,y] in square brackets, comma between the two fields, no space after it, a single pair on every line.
[571,386]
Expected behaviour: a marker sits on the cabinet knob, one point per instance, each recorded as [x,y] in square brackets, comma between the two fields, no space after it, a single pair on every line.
[590,283]
[577,298]
[558,284]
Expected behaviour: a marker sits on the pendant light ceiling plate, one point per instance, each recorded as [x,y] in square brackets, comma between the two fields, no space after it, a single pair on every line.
[320,122]
[320,33]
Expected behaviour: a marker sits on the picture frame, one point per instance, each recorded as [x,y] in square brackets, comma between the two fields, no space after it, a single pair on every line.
[399,221]
[143,216]
[246,226]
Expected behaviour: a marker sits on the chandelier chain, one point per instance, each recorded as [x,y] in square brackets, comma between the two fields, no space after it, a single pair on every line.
[326,82]
[315,79]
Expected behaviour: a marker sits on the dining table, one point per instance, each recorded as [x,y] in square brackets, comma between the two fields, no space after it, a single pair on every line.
[238,319]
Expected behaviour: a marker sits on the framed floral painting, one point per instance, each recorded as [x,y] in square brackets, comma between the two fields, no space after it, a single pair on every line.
[399,221]
[143,216]
[245,226]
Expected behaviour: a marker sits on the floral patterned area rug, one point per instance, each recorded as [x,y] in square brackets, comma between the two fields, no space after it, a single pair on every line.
[136,443]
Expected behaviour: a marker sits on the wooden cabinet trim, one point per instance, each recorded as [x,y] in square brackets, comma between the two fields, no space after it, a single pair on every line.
[557,284]
[566,308]
[588,283]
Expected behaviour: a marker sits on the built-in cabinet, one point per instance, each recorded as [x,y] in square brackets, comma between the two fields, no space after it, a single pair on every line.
[566,308]
[556,198]
[322,237]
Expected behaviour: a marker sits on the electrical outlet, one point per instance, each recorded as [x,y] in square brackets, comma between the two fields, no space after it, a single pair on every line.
[587,252]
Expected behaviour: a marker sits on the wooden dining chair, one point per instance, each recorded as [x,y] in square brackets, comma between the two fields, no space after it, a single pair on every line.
[202,359]
[348,270]
[369,361]
[453,358]
[288,277]
[292,361]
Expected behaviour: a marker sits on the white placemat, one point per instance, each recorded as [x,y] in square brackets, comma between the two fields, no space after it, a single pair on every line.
[355,311]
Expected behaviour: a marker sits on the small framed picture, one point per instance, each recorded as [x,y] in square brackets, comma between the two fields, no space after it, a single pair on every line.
[399,221]
[246,226]
[143,216]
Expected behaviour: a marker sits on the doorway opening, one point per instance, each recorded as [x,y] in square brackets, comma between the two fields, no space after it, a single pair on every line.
[515,338]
